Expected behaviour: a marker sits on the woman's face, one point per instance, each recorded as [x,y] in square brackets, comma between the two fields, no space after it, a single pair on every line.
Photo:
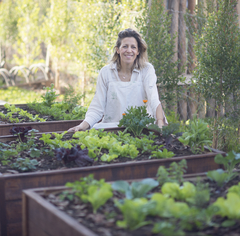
[128,51]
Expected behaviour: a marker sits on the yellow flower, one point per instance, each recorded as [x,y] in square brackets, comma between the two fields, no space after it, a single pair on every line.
[123,114]
[145,101]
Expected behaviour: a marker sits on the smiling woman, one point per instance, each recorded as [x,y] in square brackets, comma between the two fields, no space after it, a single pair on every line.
[126,82]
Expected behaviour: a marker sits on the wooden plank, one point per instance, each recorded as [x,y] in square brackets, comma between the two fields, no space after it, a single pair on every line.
[46,218]
[47,126]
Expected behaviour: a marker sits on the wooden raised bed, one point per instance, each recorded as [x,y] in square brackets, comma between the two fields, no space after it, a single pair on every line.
[11,186]
[41,218]
[47,126]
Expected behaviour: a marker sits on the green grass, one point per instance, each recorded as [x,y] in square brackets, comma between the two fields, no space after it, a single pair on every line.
[14,95]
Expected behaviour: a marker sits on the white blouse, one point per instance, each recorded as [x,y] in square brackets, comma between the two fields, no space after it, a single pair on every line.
[113,96]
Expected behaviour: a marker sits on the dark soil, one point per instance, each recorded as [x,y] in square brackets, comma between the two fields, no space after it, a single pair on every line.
[103,223]
[24,119]
[49,162]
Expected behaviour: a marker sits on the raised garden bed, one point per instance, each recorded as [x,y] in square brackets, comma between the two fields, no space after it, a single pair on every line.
[11,185]
[50,125]
[45,214]
[47,126]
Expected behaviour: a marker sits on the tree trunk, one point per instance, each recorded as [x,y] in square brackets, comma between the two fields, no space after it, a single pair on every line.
[201,107]
[191,65]
[174,10]
[238,12]
[57,75]
[182,37]
[193,100]
[182,104]
[149,4]
[211,108]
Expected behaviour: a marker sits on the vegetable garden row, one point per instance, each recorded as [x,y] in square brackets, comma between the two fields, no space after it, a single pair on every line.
[155,161]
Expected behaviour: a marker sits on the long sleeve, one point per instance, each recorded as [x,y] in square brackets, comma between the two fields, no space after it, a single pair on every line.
[96,109]
[151,90]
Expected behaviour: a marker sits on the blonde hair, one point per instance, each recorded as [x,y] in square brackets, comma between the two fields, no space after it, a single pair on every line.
[141,58]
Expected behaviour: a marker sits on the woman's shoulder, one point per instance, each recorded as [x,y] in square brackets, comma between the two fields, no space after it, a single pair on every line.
[106,68]
[147,68]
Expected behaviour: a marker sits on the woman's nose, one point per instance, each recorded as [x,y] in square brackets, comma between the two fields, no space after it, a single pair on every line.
[129,49]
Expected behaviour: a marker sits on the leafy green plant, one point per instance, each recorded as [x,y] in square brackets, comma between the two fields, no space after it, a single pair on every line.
[163,154]
[25,164]
[202,195]
[21,112]
[235,189]
[136,189]
[229,162]
[185,192]
[50,96]
[93,191]
[136,119]
[134,212]
[219,176]
[172,174]
[229,207]
[196,136]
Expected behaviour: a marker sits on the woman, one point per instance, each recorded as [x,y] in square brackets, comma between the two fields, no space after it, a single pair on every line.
[126,81]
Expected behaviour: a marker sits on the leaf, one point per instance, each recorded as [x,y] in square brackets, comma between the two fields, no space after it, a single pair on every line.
[219,176]
[34,152]
[120,186]
[228,223]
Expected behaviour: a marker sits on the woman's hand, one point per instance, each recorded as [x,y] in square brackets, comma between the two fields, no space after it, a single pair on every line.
[82,127]
[160,123]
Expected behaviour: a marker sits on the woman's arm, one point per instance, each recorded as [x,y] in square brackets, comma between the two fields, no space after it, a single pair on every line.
[159,116]
[96,109]
[153,96]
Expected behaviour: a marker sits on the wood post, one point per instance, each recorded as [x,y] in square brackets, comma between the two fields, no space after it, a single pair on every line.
[191,65]
[182,37]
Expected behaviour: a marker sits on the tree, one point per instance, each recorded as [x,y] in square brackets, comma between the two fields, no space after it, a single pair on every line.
[217,50]
[28,44]
[8,28]
[55,33]
[154,25]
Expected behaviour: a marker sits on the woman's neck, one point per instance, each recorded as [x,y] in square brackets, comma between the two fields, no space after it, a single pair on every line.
[126,69]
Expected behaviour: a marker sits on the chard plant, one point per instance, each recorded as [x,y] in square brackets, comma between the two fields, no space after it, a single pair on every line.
[196,136]
[136,119]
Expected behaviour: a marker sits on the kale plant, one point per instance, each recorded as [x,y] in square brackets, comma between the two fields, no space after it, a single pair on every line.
[136,119]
